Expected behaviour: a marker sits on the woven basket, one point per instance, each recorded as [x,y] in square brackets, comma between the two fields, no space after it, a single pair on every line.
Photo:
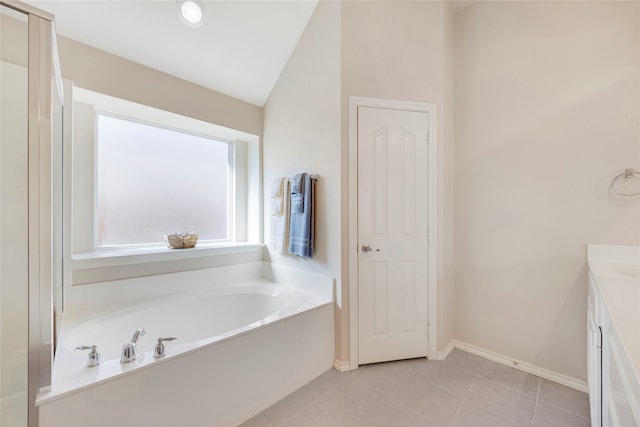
[181,240]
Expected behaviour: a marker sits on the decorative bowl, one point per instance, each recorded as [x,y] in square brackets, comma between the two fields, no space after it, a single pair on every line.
[181,240]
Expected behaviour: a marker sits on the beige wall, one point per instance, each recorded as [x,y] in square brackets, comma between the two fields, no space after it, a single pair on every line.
[398,50]
[14,230]
[546,114]
[14,224]
[102,72]
[14,46]
[302,134]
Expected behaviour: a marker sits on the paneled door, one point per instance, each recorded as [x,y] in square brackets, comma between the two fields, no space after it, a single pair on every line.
[393,185]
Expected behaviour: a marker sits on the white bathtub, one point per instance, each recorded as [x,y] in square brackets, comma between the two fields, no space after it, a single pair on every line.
[241,346]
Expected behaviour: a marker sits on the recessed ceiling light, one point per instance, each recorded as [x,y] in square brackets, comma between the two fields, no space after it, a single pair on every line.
[190,12]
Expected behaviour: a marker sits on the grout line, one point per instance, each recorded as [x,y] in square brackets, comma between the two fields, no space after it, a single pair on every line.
[463,399]
[562,408]
[515,389]
[294,413]
[335,381]
[462,369]
[512,389]
[565,410]
[535,405]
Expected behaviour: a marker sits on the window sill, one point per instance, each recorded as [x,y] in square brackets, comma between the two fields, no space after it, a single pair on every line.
[116,257]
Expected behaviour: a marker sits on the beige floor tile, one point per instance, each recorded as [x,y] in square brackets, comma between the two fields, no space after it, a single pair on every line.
[467,361]
[318,415]
[388,378]
[566,398]
[447,377]
[512,378]
[292,404]
[501,401]
[429,401]
[284,409]
[303,397]
[464,390]
[395,414]
[474,415]
[411,365]
[259,420]
[549,416]
[356,401]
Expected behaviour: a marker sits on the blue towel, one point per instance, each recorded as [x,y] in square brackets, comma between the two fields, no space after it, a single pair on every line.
[297,193]
[301,227]
[297,203]
[297,183]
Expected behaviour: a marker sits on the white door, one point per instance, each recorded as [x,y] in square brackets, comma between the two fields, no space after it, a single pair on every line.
[392,233]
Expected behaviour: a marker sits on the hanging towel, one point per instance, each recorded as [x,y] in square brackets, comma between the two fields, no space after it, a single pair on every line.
[276,187]
[277,196]
[297,193]
[277,206]
[301,228]
[279,239]
[297,183]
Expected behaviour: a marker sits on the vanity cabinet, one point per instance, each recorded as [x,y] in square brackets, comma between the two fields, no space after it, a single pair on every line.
[613,318]
[594,360]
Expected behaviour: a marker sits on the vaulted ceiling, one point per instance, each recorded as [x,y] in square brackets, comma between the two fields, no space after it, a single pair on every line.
[240,50]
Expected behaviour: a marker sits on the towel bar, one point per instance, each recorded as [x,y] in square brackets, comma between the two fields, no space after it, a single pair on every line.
[315,177]
[627,174]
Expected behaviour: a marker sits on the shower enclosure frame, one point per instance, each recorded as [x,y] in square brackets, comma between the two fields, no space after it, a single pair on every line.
[42,64]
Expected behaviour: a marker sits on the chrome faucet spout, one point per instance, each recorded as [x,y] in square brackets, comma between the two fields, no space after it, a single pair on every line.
[136,335]
[129,352]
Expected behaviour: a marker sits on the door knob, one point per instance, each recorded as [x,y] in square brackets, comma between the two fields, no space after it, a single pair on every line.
[367,248]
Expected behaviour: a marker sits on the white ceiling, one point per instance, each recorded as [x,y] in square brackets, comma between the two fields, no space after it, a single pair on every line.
[240,50]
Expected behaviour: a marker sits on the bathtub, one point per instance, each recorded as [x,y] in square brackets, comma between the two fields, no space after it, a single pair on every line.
[247,336]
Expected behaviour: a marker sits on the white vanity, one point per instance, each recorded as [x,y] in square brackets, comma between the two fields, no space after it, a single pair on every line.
[614,335]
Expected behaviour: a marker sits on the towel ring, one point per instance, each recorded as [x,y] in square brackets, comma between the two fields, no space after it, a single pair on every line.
[628,173]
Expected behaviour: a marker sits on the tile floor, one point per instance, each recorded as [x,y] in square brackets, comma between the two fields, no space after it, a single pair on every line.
[464,390]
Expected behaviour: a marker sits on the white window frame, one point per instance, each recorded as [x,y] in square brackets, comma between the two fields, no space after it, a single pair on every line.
[231,188]
[79,195]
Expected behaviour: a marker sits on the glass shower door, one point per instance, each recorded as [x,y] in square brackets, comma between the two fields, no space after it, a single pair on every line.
[13,218]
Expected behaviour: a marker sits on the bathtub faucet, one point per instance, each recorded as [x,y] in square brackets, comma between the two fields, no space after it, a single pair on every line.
[129,353]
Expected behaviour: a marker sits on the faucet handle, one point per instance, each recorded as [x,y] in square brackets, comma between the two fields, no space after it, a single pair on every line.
[159,352]
[94,356]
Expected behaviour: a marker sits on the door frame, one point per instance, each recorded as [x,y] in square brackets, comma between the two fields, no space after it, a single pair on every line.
[354,103]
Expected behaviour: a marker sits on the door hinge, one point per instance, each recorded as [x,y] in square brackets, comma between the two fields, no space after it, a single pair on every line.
[428,327]
[428,234]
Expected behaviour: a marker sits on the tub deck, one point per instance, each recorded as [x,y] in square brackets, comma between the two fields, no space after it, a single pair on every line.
[288,293]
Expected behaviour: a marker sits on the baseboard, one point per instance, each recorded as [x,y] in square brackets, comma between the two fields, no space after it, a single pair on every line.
[441,355]
[341,366]
[522,366]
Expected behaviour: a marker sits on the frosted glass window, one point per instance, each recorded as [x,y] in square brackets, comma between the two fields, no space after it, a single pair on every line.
[153,180]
